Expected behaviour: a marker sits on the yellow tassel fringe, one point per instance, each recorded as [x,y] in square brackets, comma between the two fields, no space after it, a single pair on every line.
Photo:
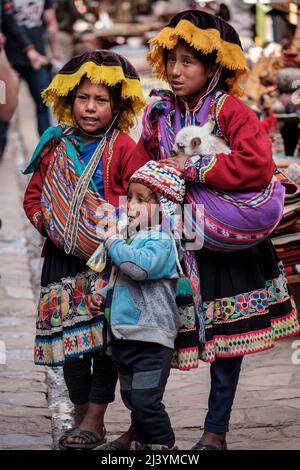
[62,84]
[229,55]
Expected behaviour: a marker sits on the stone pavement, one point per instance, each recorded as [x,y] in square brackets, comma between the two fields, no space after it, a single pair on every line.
[266,413]
[24,416]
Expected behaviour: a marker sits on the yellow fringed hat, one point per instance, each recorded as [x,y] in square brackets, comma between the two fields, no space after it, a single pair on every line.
[99,66]
[205,33]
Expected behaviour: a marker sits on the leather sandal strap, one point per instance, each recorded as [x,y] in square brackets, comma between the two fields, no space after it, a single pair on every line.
[200,446]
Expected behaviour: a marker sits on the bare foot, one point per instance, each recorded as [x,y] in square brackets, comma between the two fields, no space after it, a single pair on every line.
[92,420]
[126,438]
[122,442]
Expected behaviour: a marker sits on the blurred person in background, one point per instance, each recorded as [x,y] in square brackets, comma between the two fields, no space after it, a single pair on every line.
[31,16]
[9,88]
[9,85]
[14,31]
[66,14]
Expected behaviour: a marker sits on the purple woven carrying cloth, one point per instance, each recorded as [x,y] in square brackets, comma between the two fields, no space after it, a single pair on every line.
[232,220]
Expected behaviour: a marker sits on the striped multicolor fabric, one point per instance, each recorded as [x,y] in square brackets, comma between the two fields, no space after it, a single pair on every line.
[58,190]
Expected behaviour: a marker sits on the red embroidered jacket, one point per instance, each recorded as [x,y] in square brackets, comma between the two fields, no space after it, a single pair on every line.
[124,162]
[249,166]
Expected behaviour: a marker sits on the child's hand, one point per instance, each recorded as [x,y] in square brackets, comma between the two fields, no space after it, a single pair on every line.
[96,301]
[177,162]
[109,230]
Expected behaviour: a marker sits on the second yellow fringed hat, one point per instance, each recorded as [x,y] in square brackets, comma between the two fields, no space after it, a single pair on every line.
[205,33]
[99,66]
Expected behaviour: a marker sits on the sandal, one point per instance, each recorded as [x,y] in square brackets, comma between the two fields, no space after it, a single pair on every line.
[113,445]
[64,436]
[200,446]
[92,439]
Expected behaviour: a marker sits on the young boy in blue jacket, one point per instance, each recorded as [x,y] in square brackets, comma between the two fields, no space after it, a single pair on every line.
[140,298]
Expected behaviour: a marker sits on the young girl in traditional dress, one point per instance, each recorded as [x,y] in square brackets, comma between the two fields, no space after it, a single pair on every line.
[96,96]
[246,305]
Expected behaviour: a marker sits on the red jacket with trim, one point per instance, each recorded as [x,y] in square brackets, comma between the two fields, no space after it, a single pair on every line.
[249,166]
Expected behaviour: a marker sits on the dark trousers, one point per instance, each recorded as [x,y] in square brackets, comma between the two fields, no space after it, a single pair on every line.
[37,81]
[224,374]
[91,378]
[143,370]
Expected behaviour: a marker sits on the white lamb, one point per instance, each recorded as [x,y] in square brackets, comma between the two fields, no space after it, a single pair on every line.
[196,140]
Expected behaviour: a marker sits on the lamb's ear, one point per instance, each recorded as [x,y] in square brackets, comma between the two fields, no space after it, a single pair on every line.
[195,142]
[209,126]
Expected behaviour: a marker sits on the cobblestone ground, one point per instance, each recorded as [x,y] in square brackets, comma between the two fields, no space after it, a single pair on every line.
[266,414]
[24,415]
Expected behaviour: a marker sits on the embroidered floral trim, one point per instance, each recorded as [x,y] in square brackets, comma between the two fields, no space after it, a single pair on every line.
[54,351]
[236,307]
[190,171]
[36,217]
[242,305]
[252,342]
[65,326]
[237,345]
[277,288]
[195,170]
[286,326]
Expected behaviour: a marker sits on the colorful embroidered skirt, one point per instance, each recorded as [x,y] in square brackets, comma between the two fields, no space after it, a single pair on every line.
[65,328]
[246,303]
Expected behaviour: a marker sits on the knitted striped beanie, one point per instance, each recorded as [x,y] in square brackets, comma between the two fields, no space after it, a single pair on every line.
[164,181]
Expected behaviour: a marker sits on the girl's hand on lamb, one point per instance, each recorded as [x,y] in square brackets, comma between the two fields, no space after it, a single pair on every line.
[177,162]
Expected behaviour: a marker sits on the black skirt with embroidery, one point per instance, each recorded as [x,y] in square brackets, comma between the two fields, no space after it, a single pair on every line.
[65,328]
[246,302]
